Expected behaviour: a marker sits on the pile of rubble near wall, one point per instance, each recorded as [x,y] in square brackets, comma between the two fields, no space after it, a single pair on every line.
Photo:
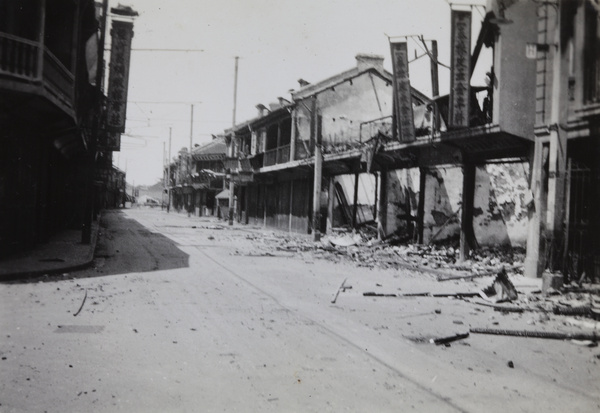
[364,249]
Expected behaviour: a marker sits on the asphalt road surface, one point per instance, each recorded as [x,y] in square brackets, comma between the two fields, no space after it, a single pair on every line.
[187,314]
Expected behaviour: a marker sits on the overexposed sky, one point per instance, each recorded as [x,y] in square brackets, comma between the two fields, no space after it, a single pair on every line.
[277,41]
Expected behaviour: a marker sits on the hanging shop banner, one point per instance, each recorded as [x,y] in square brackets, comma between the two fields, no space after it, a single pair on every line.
[118,78]
[404,126]
[460,69]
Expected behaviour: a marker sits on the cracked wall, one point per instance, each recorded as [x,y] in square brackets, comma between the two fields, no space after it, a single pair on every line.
[500,214]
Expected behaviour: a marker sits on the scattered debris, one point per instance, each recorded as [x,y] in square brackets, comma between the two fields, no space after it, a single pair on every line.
[538,334]
[449,339]
[551,282]
[82,303]
[510,364]
[501,290]
[338,291]
[585,343]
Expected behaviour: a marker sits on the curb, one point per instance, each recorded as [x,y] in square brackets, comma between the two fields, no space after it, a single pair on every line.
[26,274]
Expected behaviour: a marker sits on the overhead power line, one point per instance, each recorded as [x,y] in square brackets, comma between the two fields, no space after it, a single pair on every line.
[165,50]
[150,49]
[164,102]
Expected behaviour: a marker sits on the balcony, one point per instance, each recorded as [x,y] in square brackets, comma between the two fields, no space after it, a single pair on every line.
[29,67]
[277,156]
[302,150]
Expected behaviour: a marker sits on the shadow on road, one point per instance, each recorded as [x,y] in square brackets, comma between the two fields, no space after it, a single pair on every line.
[125,246]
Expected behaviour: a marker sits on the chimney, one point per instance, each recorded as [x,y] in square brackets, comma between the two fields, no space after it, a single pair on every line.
[303,82]
[365,61]
[261,109]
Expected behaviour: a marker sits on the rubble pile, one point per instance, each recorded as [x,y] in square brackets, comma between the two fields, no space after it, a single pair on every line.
[367,251]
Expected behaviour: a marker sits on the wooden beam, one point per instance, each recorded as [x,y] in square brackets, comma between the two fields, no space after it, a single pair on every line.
[421,206]
[355,200]
[467,234]
[382,215]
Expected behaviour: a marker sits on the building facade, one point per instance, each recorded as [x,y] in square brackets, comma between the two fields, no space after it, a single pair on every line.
[565,174]
[50,119]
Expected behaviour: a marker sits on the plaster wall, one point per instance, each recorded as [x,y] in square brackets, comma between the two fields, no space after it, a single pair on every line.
[500,216]
[343,107]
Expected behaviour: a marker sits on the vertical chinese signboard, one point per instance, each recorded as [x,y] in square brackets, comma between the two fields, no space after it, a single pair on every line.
[460,70]
[118,78]
[404,125]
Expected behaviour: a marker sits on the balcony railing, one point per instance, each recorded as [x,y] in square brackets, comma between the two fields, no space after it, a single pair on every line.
[277,155]
[302,150]
[283,154]
[20,59]
[371,128]
[270,157]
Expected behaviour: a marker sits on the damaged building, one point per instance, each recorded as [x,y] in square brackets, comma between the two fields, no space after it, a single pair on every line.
[508,159]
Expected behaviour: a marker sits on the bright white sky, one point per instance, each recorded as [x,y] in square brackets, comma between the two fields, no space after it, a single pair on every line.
[278,42]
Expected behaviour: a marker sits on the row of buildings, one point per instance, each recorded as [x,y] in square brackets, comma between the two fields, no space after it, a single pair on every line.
[513,160]
[59,124]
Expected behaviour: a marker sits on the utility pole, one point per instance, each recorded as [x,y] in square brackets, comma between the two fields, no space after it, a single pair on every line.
[190,162]
[435,89]
[231,184]
[169,174]
[315,130]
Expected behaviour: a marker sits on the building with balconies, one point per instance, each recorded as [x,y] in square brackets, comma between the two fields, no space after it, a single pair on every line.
[207,175]
[51,118]
[271,158]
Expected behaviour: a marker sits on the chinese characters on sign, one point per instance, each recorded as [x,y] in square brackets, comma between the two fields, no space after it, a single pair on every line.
[460,72]
[404,124]
[122,33]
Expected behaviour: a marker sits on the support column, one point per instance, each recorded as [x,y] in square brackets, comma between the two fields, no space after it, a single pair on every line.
[557,158]
[355,204]
[291,205]
[231,200]
[467,235]
[330,203]
[376,200]
[558,141]
[382,213]
[318,175]
[534,259]
[421,206]
[293,136]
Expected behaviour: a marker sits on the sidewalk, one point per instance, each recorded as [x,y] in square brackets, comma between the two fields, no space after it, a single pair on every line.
[64,252]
